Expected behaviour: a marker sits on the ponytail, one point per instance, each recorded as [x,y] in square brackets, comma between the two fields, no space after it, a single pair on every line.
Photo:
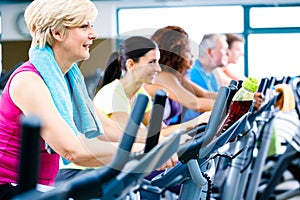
[112,71]
[132,48]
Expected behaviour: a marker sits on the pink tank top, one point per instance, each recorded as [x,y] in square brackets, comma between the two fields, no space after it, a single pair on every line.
[10,140]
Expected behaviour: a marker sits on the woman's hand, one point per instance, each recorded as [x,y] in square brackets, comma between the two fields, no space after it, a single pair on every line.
[169,163]
[204,117]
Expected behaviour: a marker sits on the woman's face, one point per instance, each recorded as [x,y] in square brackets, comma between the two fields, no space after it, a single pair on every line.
[189,58]
[78,40]
[147,67]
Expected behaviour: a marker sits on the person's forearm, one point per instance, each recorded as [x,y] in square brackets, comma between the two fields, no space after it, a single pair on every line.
[96,153]
[205,104]
[202,119]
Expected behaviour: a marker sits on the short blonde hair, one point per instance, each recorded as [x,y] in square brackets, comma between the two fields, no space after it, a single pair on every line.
[41,16]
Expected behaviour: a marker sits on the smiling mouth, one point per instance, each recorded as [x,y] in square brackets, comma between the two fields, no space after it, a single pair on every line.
[153,76]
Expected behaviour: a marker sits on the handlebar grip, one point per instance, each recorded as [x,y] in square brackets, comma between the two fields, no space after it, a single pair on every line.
[272,82]
[30,152]
[156,120]
[130,132]
[263,86]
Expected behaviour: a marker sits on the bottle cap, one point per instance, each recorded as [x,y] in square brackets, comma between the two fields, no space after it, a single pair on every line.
[250,84]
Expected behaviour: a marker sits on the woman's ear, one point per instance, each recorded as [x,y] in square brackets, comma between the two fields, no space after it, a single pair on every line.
[129,64]
[56,34]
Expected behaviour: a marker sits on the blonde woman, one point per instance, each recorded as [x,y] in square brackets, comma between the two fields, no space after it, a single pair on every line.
[50,86]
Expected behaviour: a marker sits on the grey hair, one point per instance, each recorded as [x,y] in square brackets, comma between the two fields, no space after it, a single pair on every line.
[209,41]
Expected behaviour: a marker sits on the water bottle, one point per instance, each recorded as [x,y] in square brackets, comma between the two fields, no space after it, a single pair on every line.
[241,103]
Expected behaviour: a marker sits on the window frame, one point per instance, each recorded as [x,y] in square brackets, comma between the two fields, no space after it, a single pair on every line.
[247,29]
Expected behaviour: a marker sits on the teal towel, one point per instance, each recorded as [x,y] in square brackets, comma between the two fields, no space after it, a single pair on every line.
[68,92]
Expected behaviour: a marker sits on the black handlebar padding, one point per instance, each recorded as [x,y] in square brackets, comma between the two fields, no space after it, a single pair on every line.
[30,153]
[263,86]
[155,124]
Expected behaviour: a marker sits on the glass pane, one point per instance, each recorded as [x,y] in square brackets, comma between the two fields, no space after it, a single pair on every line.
[195,20]
[267,17]
[274,55]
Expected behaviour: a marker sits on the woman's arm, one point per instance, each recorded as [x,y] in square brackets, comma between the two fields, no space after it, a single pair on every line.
[121,119]
[35,99]
[201,119]
[112,132]
[170,83]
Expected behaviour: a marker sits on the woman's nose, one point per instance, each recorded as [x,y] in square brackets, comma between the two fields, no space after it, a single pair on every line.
[93,34]
[158,68]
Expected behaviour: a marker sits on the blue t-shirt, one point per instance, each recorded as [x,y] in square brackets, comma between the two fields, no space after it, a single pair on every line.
[207,81]
[198,75]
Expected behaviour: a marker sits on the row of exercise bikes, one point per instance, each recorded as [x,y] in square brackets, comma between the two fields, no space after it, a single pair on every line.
[265,148]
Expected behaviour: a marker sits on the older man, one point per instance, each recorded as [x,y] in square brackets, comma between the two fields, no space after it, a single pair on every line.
[213,53]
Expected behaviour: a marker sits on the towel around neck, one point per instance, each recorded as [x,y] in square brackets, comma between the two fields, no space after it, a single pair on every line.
[68,92]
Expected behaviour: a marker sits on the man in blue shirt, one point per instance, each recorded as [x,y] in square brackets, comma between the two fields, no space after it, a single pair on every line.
[213,53]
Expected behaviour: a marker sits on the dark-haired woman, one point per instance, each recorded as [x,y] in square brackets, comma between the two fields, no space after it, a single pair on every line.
[128,71]
[175,59]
